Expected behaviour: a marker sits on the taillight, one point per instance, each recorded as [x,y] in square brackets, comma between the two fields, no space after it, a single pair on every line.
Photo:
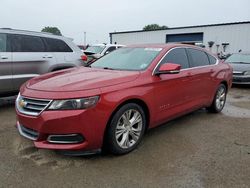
[84,57]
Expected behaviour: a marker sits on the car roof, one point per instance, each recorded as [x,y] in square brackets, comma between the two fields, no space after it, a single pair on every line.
[165,46]
[160,45]
[33,33]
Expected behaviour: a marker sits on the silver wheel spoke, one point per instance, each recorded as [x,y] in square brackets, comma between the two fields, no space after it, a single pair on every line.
[134,135]
[119,133]
[136,119]
[124,141]
[125,120]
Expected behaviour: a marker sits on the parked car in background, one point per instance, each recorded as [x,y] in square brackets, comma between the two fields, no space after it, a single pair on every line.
[241,67]
[96,51]
[119,97]
[26,54]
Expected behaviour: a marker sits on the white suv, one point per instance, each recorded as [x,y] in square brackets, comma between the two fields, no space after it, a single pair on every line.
[98,50]
[26,54]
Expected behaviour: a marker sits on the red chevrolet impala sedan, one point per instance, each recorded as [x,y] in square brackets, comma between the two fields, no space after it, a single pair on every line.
[115,100]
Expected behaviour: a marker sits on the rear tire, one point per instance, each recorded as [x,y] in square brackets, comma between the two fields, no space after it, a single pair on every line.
[219,99]
[126,129]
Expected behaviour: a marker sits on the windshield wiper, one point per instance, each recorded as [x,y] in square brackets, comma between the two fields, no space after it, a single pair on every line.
[108,68]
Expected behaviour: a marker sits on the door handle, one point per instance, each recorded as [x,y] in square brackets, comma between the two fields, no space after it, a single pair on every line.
[48,56]
[4,57]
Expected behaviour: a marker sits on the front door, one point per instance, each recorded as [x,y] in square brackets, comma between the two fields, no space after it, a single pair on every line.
[29,58]
[173,91]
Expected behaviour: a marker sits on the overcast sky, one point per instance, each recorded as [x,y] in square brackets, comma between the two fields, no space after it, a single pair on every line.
[100,17]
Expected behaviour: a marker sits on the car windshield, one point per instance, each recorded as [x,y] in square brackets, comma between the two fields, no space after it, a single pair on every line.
[239,58]
[128,59]
[95,49]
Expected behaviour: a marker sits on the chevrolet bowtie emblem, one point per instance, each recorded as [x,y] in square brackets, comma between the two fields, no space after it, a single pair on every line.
[22,103]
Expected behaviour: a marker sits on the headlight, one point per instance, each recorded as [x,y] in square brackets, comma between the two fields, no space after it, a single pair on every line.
[247,73]
[74,104]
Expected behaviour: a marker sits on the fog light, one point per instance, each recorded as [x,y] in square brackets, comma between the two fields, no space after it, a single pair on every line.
[65,139]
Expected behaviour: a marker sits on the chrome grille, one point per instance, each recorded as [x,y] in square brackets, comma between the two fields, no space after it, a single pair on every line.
[31,106]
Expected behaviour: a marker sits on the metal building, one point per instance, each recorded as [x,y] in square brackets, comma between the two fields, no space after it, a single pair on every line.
[219,38]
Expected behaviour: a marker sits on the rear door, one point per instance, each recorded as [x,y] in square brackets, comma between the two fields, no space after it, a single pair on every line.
[64,55]
[200,73]
[30,58]
[5,64]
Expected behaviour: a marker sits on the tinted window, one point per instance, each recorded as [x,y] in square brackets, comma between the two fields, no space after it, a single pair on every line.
[110,49]
[25,43]
[197,58]
[3,42]
[56,45]
[212,59]
[177,56]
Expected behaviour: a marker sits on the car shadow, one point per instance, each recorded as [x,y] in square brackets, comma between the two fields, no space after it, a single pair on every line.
[151,135]
[241,86]
[7,101]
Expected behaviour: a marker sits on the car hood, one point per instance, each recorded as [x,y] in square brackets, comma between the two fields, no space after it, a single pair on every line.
[78,79]
[240,66]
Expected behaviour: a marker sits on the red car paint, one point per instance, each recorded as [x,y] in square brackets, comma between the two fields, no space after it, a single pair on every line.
[164,96]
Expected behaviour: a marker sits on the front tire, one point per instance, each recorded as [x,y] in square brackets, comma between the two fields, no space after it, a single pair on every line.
[219,99]
[126,129]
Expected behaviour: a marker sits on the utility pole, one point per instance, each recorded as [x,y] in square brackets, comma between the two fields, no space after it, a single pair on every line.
[85,38]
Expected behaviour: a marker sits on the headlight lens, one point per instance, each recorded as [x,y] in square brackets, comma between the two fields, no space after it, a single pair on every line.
[247,73]
[74,104]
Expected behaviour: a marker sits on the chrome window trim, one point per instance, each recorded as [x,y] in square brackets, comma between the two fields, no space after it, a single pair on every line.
[217,60]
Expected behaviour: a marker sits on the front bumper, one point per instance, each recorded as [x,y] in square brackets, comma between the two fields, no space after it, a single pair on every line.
[86,124]
[241,79]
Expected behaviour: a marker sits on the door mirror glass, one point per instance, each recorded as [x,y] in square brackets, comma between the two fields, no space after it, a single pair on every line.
[169,68]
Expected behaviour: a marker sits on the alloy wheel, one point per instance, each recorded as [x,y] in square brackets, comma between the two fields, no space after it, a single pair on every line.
[129,128]
[220,98]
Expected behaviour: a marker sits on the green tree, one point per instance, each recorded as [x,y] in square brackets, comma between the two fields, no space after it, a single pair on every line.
[152,27]
[53,30]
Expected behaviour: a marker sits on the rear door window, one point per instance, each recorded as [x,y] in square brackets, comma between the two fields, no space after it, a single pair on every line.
[212,59]
[56,45]
[177,56]
[197,58]
[26,43]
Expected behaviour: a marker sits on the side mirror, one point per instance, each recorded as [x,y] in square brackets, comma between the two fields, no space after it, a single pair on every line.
[107,52]
[169,68]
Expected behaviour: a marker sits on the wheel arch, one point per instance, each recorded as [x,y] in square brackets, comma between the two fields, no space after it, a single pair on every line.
[137,101]
[226,84]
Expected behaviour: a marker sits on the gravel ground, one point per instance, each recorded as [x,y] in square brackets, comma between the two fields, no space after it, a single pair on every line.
[197,150]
